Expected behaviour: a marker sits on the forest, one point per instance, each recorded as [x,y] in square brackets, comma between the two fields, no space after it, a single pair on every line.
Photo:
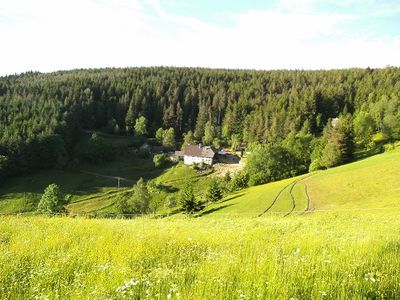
[307,119]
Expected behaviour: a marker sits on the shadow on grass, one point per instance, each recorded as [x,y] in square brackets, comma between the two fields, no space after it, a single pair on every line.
[360,155]
[213,210]
[232,197]
[79,184]
[167,188]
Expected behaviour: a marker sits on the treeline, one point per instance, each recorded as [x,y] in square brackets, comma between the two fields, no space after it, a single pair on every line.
[42,116]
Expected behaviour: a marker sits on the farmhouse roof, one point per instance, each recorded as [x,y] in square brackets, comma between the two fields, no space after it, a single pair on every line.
[199,151]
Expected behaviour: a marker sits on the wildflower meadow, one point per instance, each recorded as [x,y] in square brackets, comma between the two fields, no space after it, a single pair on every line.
[316,256]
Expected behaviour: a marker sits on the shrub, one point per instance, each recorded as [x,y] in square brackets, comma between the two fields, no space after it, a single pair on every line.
[240,181]
[137,202]
[160,160]
[171,202]
[52,200]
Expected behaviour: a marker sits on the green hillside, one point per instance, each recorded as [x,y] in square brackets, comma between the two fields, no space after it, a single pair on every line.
[329,255]
[371,183]
[94,188]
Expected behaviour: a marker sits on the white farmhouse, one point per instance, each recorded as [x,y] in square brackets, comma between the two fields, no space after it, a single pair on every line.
[199,154]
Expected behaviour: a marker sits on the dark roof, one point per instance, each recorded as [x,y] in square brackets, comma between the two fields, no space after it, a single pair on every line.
[199,151]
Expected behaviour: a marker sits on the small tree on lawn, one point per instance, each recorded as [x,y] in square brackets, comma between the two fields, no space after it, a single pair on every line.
[138,202]
[214,192]
[187,199]
[52,200]
[141,198]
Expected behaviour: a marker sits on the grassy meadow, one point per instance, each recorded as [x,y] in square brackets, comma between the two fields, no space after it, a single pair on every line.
[91,193]
[323,255]
[332,234]
[367,184]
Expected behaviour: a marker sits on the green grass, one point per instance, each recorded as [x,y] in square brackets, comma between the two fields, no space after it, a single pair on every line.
[17,192]
[254,244]
[322,255]
[92,193]
[371,183]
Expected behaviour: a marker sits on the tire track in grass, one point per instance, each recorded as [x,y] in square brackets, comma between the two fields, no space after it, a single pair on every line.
[307,210]
[294,199]
[275,199]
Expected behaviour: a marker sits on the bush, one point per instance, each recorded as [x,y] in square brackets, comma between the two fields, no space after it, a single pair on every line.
[3,166]
[52,200]
[171,202]
[138,202]
[160,160]
[240,181]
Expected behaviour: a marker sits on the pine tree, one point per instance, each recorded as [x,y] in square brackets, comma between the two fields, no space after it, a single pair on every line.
[187,199]
[210,133]
[130,118]
[214,192]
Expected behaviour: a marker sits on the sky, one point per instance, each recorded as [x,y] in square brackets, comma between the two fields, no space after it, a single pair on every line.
[51,35]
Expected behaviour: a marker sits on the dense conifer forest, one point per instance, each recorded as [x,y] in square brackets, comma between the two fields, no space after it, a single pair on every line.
[43,116]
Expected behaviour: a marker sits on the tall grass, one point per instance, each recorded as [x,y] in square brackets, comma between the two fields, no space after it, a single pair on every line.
[324,255]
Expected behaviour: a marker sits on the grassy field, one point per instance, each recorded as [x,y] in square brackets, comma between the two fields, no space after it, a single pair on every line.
[371,183]
[93,188]
[257,243]
[21,194]
[324,255]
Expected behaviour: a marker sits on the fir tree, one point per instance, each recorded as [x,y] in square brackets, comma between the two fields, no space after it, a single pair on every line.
[214,192]
[187,199]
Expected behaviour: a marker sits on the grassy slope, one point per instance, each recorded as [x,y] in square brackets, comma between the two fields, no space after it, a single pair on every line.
[368,183]
[91,193]
[371,183]
[346,255]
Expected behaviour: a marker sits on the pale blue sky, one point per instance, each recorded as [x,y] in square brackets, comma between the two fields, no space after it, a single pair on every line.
[48,35]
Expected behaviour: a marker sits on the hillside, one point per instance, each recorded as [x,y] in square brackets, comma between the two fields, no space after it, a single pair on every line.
[370,183]
[351,255]
[93,188]
[292,109]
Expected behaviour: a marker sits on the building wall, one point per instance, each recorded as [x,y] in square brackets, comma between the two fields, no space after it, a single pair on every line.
[188,160]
